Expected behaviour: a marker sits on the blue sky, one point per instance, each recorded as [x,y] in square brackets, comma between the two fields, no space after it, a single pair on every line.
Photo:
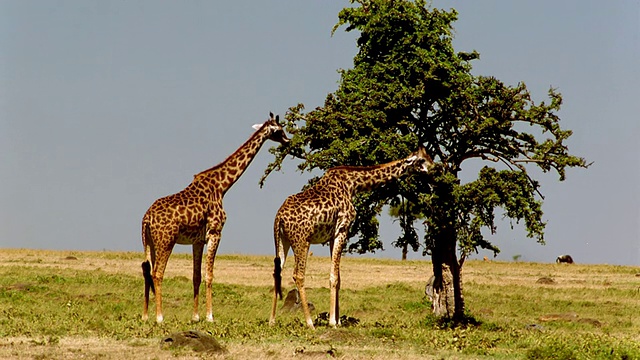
[106,106]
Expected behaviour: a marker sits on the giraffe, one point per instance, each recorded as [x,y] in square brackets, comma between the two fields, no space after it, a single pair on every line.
[323,213]
[195,216]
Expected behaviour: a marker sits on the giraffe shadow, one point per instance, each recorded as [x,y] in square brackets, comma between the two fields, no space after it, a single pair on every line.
[345,321]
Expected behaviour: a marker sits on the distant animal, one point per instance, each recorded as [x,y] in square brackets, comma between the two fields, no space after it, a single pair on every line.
[194,216]
[564,259]
[324,213]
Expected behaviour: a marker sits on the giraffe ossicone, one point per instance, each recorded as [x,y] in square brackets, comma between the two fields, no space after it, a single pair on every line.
[195,216]
[323,213]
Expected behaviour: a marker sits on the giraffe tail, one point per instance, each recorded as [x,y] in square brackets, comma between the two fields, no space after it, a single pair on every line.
[146,265]
[277,276]
[146,273]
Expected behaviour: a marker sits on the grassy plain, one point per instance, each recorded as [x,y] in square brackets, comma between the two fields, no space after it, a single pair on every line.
[66,304]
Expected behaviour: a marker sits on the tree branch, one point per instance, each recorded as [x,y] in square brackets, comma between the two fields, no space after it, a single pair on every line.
[510,163]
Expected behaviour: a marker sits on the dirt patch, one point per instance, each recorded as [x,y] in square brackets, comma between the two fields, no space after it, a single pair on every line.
[18,287]
[545,280]
[559,317]
[82,348]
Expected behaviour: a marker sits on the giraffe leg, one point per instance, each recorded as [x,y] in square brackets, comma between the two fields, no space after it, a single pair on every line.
[197,277]
[158,274]
[337,245]
[298,277]
[213,240]
[334,284]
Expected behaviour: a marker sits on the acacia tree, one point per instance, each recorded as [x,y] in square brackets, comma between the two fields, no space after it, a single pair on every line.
[409,87]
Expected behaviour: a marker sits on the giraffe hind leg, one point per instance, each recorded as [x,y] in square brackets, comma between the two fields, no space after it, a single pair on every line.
[303,301]
[298,276]
[197,278]
[162,257]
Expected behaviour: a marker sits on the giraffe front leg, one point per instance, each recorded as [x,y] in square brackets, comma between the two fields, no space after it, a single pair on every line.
[336,246]
[198,248]
[334,283]
[213,240]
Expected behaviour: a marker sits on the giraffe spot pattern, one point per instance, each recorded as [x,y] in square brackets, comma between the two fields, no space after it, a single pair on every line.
[195,216]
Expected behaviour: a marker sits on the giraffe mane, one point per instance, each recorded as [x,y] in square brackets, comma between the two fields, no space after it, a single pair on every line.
[251,138]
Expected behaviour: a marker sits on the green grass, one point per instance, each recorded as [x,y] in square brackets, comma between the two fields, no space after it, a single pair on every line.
[48,303]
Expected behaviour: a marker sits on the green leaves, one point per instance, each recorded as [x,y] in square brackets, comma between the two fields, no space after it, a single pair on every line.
[409,87]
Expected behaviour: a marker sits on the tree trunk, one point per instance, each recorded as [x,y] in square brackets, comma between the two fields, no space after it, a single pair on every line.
[405,251]
[448,301]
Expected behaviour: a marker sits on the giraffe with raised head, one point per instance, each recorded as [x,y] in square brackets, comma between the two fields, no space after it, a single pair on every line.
[323,213]
[195,216]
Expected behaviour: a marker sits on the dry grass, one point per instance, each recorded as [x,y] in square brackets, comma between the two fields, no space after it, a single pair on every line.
[595,296]
[230,269]
[356,272]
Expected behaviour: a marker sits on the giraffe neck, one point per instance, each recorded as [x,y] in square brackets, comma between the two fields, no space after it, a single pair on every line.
[222,176]
[364,178]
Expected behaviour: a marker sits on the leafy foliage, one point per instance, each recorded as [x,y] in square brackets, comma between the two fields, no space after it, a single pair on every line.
[408,86]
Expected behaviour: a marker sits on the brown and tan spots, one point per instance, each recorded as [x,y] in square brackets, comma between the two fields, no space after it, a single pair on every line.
[195,216]
[324,213]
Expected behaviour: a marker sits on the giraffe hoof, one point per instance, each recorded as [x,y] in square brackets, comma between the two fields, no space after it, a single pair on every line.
[310,325]
[159,319]
[210,318]
[195,318]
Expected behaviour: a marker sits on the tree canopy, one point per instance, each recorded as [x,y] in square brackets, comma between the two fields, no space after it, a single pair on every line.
[409,87]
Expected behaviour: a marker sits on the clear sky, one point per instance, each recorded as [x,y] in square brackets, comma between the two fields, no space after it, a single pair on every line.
[106,106]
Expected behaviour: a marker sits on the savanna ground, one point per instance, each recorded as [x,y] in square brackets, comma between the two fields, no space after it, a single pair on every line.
[87,305]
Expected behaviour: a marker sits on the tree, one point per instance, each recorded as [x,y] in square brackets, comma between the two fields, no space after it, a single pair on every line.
[408,87]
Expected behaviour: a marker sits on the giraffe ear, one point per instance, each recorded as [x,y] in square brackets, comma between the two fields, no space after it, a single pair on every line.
[257,126]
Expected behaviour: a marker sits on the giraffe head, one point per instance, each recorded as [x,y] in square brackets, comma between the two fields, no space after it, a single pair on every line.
[419,161]
[273,129]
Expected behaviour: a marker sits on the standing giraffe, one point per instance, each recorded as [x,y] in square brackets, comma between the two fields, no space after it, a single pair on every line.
[195,216]
[324,213]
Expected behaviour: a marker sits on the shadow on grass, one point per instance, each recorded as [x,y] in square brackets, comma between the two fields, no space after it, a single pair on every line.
[466,321]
